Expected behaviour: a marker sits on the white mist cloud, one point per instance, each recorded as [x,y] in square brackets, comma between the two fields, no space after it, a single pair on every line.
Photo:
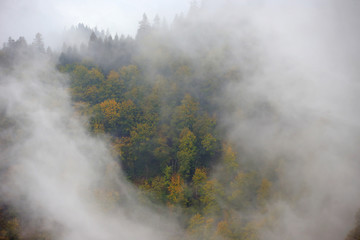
[297,102]
[55,169]
[300,105]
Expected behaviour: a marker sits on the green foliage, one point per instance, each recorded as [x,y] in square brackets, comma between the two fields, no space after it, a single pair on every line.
[156,190]
[156,102]
[86,83]
[209,143]
[159,111]
[187,153]
[113,87]
[167,143]
[186,114]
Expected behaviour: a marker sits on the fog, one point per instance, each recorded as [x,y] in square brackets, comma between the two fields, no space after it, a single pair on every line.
[61,178]
[52,18]
[306,90]
[294,104]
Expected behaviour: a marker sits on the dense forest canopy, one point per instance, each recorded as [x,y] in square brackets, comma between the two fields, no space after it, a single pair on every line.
[198,129]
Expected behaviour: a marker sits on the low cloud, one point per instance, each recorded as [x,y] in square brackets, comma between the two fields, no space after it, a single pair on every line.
[62,179]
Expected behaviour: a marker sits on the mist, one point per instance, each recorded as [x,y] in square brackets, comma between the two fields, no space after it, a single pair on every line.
[299,107]
[53,18]
[287,88]
[61,178]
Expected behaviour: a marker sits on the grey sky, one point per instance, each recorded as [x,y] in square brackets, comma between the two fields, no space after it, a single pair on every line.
[50,17]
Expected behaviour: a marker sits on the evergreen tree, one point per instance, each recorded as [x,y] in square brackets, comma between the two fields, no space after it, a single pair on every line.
[38,43]
[144,28]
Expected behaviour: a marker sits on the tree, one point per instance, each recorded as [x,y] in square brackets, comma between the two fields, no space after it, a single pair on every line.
[199,178]
[230,166]
[211,191]
[111,112]
[162,150]
[93,42]
[84,78]
[10,43]
[140,137]
[95,76]
[113,87]
[156,23]
[186,114]
[157,189]
[38,43]
[201,227]
[128,117]
[176,189]
[209,144]
[144,28]
[196,223]
[86,84]
[130,75]
[187,153]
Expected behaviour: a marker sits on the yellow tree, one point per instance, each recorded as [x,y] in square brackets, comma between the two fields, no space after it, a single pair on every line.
[176,189]
[111,112]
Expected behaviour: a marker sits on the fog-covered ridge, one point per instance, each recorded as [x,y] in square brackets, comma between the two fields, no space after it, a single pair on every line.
[238,120]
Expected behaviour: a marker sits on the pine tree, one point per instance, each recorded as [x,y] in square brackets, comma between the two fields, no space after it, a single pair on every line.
[144,28]
[38,43]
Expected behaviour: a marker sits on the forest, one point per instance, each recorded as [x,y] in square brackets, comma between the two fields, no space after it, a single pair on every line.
[161,103]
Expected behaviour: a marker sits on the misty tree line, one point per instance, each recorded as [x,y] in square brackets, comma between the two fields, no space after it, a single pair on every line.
[163,126]
[14,50]
[154,96]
